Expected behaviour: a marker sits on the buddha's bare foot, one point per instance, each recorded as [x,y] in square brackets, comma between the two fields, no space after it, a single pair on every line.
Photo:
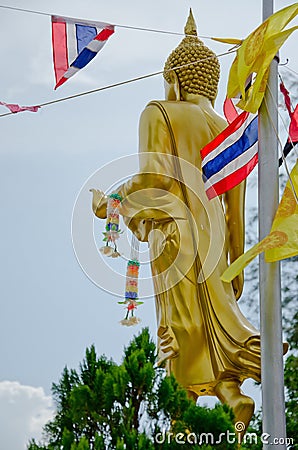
[229,392]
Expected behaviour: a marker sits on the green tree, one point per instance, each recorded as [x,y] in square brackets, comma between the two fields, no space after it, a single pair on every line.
[133,405]
[291,383]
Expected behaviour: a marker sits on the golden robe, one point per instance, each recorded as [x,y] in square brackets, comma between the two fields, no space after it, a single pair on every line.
[202,334]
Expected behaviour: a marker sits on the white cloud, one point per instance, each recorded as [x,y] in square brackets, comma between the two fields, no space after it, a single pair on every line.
[23,412]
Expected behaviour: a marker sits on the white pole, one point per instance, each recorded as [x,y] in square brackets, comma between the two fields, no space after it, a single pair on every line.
[273,399]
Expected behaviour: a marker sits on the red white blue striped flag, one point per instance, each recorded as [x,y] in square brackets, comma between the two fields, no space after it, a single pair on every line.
[75,44]
[231,156]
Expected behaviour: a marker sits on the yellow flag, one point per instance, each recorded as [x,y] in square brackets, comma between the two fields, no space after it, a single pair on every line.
[255,55]
[285,223]
[228,40]
[282,242]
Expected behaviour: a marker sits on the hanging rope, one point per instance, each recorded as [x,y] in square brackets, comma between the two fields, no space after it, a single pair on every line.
[280,143]
[121,83]
[285,127]
[289,69]
[128,27]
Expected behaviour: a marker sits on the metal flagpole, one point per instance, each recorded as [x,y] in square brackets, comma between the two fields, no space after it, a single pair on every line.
[273,399]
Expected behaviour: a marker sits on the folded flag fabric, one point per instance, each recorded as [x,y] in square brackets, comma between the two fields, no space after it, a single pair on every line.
[282,242]
[287,98]
[293,135]
[255,55]
[230,108]
[75,44]
[17,108]
[289,145]
[293,128]
[231,156]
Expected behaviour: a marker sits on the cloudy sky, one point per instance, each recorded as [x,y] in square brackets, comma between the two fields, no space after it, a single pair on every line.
[50,310]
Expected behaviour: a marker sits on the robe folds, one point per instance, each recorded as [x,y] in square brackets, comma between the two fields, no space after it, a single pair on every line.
[203,337]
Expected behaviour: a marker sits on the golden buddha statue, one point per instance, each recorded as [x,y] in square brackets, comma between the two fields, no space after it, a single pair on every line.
[203,338]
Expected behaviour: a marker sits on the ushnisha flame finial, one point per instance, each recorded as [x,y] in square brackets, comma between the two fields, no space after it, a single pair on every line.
[190,26]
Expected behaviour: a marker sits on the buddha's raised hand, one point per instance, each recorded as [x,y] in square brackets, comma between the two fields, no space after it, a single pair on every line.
[99,203]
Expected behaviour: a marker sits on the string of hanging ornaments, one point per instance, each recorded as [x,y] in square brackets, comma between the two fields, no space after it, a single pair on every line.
[111,235]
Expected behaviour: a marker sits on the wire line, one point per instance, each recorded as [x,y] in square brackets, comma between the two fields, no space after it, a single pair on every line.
[24,10]
[280,143]
[131,80]
[291,70]
[152,30]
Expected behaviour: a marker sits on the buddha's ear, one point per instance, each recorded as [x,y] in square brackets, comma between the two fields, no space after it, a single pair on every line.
[176,84]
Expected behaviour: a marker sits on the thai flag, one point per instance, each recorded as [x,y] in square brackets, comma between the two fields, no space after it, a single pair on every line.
[75,44]
[231,156]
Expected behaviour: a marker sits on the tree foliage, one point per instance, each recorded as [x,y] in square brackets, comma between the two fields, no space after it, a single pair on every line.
[133,405]
[291,385]
[291,382]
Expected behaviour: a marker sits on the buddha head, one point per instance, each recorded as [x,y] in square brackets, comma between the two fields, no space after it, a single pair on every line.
[199,74]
